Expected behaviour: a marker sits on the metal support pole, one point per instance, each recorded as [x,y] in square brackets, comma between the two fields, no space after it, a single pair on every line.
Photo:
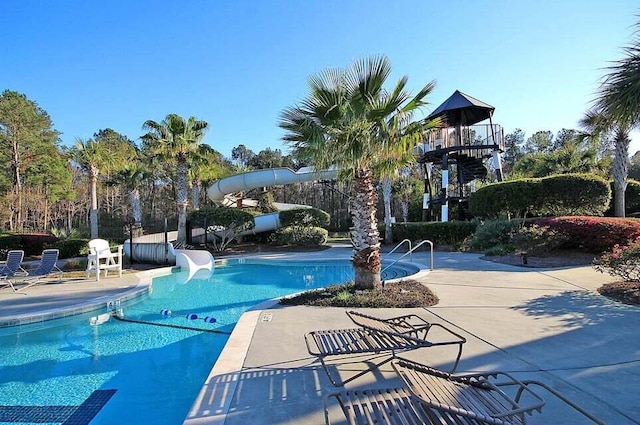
[166,242]
[445,184]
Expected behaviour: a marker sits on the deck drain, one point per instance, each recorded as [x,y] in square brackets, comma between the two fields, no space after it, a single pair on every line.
[267,317]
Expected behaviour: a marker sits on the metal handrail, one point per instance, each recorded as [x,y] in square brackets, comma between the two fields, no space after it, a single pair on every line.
[398,246]
[409,253]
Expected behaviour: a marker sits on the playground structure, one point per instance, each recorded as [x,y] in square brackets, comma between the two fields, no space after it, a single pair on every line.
[461,144]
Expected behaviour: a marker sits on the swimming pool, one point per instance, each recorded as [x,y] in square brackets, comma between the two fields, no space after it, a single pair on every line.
[149,367]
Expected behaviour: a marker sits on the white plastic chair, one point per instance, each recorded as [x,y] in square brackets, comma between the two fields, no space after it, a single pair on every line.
[102,257]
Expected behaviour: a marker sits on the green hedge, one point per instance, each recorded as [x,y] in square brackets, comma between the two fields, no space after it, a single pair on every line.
[440,233]
[299,235]
[565,194]
[304,217]
[70,248]
[631,198]
[31,244]
[231,218]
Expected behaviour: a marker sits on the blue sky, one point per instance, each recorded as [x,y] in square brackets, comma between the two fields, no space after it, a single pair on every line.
[237,64]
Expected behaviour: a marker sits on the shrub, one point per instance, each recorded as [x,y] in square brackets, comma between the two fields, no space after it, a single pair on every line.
[70,248]
[227,223]
[440,233]
[537,240]
[299,235]
[566,194]
[31,244]
[573,194]
[515,198]
[622,261]
[494,233]
[631,198]
[304,217]
[593,234]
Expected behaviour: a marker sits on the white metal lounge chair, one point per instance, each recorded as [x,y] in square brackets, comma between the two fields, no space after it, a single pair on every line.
[13,265]
[431,396]
[102,258]
[48,267]
[375,335]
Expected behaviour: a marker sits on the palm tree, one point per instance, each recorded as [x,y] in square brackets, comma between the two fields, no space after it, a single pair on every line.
[205,165]
[617,112]
[130,177]
[91,156]
[176,139]
[351,122]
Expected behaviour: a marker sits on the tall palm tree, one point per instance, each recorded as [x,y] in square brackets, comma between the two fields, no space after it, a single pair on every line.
[176,139]
[205,165]
[351,122]
[617,112]
[91,156]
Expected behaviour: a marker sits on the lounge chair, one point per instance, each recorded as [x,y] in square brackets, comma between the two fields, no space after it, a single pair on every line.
[45,269]
[13,265]
[375,335]
[431,396]
[102,258]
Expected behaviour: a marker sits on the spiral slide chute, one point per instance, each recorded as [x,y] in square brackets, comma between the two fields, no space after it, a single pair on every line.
[263,178]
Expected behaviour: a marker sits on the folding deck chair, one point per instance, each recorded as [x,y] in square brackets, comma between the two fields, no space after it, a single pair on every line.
[374,336]
[13,265]
[431,396]
[45,269]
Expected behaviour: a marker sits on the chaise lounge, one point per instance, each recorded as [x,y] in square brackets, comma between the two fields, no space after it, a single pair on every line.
[431,396]
[47,267]
[374,336]
[13,264]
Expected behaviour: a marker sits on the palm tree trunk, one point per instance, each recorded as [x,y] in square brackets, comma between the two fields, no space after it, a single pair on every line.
[365,236]
[195,194]
[620,171]
[386,195]
[93,212]
[136,207]
[182,193]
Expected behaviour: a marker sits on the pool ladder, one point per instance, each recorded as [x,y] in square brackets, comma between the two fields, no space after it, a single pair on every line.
[410,251]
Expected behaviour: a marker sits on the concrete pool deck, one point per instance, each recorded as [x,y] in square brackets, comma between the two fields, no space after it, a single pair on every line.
[544,324]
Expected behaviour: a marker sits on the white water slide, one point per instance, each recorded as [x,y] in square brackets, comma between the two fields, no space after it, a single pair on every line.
[221,189]
[146,249]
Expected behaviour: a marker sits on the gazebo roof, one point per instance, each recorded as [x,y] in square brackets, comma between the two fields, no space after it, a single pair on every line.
[462,109]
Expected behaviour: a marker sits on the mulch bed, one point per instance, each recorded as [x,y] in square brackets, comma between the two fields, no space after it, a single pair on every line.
[404,294]
[624,292]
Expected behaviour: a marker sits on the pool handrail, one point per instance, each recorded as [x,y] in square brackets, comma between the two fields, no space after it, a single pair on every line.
[409,253]
[398,246]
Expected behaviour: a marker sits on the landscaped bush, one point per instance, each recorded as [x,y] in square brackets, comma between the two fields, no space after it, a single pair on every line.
[304,217]
[227,223]
[631,198]
[494,236]
[537,240]
[31,244]
[70,248]
[573,194]
[440,233]
[299,235]
[621,261]
[515,198]
[566,194]
[593,234]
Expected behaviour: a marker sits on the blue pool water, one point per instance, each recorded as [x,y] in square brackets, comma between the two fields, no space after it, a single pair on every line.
[147,372]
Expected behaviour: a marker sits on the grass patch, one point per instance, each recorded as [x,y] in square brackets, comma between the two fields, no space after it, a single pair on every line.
[403,294]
